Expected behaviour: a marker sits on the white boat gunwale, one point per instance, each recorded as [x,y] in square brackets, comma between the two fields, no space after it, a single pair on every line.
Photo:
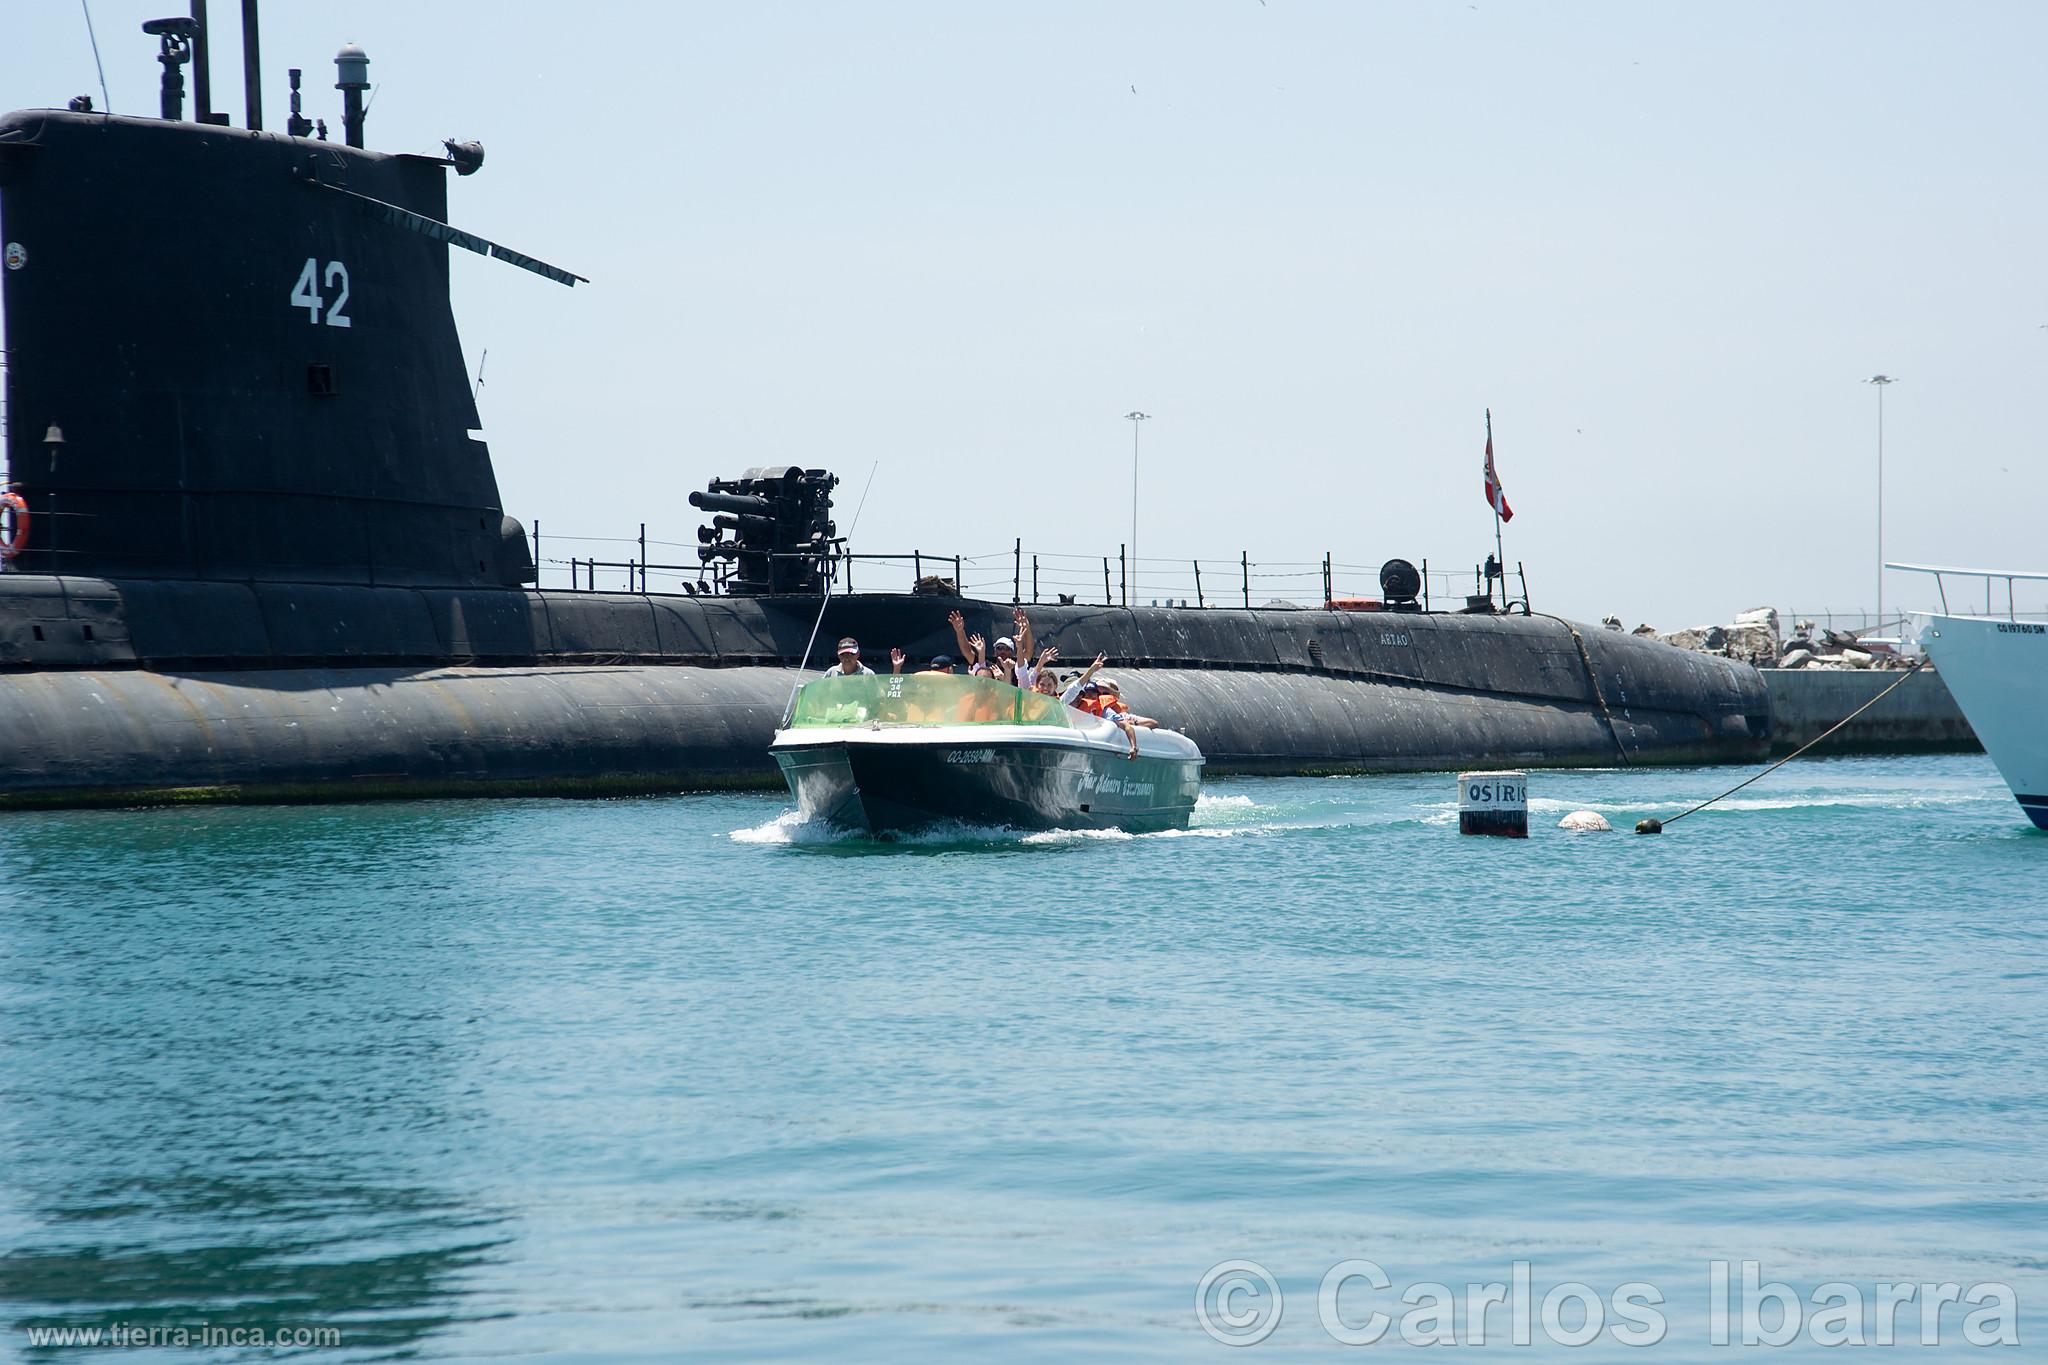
[1151,743]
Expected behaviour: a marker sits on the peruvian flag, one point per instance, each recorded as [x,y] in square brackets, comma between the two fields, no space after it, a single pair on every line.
[1495,497]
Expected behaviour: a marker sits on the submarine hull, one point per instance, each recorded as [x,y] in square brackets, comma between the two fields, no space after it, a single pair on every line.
[592,693]
[135,736]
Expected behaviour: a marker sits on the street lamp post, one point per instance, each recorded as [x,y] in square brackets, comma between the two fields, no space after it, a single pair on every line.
[1880,382]
[1134,417]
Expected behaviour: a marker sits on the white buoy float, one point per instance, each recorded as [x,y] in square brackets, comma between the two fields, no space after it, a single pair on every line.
[1586,822]
[1494,803]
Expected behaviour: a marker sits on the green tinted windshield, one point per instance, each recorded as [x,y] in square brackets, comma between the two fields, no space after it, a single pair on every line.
[922,699]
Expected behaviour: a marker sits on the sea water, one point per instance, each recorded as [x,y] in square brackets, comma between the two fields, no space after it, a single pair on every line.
[683,1076]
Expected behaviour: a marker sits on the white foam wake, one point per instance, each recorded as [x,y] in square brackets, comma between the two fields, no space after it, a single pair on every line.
[790,827]
[1212,821]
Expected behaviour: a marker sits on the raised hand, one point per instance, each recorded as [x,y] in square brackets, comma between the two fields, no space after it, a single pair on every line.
[895,659]
[954,618]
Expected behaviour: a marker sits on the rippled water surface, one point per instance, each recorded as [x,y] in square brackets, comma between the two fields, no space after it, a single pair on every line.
[635,1078]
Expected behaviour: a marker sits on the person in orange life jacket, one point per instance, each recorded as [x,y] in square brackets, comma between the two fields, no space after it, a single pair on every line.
[1115,692]
[1108,709]
[1084,694]
[1071,693]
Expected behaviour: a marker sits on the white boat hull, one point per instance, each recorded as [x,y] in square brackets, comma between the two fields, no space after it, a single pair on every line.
[1998,673]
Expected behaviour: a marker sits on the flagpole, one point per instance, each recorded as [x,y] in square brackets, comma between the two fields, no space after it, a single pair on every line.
[1500,557]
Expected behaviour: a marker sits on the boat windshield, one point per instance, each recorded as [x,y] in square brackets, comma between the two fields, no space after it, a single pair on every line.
[922,699]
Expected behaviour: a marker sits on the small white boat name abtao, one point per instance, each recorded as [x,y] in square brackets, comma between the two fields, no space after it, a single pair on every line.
[1494,803]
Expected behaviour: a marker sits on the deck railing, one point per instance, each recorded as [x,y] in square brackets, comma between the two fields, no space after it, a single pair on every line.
[2010,609]
[584,563]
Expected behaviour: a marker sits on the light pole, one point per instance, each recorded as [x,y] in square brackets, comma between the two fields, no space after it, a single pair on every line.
[1134,417]
[1880,382]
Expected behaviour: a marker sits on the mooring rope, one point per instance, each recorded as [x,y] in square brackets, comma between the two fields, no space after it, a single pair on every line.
[1656,826]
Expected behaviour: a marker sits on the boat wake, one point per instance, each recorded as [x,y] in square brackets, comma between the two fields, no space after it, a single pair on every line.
[790,827]
[1215,817]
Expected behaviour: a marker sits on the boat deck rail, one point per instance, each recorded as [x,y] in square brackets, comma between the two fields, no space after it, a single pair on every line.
[1941,573]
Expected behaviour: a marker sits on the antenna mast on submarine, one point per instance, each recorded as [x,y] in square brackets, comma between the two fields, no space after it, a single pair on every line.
[252,66]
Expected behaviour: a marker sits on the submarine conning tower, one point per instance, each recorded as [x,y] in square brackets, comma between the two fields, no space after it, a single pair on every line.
[231,354]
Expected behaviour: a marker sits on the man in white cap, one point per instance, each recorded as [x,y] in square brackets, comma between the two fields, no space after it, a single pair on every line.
[1007,666]
[849,660]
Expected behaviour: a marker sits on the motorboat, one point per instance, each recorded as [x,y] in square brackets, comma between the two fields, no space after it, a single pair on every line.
[889,753]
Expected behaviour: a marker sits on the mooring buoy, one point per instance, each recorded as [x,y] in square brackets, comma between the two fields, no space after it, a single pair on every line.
[1586,822]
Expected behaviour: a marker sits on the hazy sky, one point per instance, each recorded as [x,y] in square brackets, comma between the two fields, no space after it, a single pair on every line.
[955,242]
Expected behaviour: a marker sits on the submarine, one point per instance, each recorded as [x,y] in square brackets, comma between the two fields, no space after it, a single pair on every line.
[251,548]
